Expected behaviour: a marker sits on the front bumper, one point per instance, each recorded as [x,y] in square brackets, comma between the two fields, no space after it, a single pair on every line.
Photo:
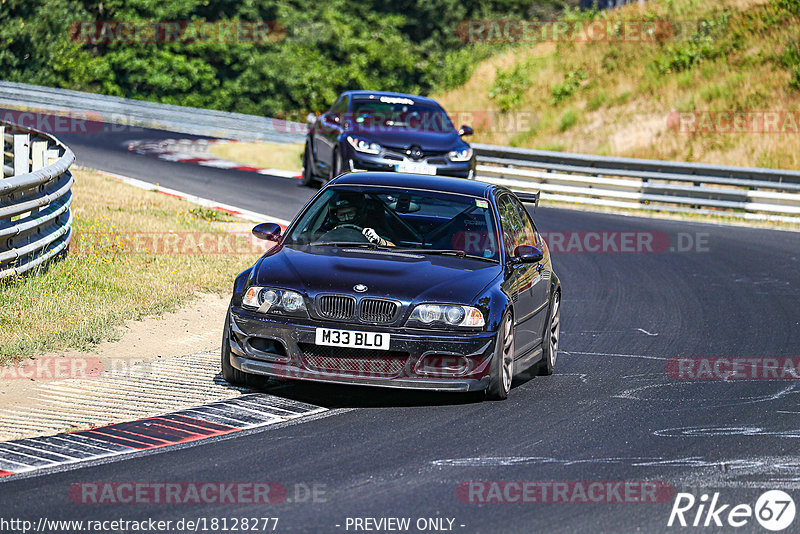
[388,161]
[438,361]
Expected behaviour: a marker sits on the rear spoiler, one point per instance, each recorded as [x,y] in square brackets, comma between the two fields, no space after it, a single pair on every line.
[529,198]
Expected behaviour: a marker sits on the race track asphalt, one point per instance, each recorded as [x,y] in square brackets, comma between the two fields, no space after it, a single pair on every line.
[611,411]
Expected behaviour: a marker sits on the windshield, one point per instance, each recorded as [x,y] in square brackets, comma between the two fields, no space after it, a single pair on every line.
[384,116]
[399,219]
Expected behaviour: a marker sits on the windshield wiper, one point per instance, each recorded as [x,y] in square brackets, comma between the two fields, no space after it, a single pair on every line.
[362,244]
[446,252]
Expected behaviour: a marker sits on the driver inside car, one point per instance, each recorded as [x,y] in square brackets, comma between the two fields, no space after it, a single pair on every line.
[352,213]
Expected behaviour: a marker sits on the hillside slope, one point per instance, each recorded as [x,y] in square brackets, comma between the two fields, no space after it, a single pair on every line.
[715,82]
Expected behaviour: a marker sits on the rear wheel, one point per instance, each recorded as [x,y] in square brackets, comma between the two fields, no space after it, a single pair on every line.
[502,368]
[551,338]
[307,178]
[232,375]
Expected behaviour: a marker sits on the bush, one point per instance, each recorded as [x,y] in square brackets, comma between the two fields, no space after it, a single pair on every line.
[568,120]
[705,43]
[510,85]
[567,88]
[790,59]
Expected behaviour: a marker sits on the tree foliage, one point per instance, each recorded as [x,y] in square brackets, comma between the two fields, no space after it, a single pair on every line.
[328,47]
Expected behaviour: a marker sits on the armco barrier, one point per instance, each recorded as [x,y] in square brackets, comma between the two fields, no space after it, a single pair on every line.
[140,113]
[35,198]
[640,184]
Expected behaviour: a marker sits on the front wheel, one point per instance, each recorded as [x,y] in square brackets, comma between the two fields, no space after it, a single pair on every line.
[551,337]
[502,368]
[336,166]
[307,178]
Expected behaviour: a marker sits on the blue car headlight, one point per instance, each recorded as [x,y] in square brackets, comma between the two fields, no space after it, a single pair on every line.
[364,145]
[446,315]
[270,300]
[462,154]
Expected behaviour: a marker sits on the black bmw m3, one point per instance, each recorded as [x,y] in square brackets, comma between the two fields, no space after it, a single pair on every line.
[398,280]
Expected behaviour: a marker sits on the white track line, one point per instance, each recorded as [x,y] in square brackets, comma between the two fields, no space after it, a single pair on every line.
[239,212]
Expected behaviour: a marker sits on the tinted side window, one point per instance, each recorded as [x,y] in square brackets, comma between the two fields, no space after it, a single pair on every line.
[529,235]
[512,226]
[340,106]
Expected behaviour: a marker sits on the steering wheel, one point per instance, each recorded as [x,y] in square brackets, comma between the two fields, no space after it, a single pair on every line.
[344,232]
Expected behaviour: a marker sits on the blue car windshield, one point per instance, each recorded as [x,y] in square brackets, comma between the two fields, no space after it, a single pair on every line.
[400,219]
[384,116]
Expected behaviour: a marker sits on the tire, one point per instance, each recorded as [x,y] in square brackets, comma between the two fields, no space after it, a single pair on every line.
[551,338]
[336,166]
[232,375]
[308,179]
[502,367]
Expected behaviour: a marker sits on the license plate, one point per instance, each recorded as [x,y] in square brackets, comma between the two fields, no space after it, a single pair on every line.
[416,168]
[355,340]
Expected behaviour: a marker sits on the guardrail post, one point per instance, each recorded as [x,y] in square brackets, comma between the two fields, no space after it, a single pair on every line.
[2,151]
[38,149]
[50,156]
[22,154]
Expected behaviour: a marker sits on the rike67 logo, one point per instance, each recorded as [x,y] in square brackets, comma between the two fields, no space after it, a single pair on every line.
[774,510]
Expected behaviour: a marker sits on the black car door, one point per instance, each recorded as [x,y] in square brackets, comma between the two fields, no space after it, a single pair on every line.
[327,131]
[521,277]
[540,283]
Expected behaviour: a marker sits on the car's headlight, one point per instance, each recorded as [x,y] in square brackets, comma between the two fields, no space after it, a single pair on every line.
[269,300]
[363,145]
[447,315]
[462,154]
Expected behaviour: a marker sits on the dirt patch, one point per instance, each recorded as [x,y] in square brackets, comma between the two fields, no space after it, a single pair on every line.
[196,328]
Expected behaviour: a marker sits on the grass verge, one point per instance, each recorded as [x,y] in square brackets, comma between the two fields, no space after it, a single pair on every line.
[624,97]
[284,156]
[103,282]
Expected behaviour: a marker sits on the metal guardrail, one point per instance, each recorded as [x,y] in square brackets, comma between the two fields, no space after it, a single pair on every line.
[640,184]
[140,113]
[749,193]
[35,199]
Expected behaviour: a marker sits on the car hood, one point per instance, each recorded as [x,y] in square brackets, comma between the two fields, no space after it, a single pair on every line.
[405,139]
[407,277]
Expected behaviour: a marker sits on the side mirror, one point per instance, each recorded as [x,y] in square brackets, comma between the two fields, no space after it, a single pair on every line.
[268,231]
[527,254]
[465,130]
[335,117]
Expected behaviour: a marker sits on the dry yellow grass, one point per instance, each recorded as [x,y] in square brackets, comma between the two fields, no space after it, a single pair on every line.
[284,156]
[109,276]
[622,104]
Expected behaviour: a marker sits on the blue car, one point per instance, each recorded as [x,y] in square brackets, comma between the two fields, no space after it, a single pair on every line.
[381,131]
[398,280]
